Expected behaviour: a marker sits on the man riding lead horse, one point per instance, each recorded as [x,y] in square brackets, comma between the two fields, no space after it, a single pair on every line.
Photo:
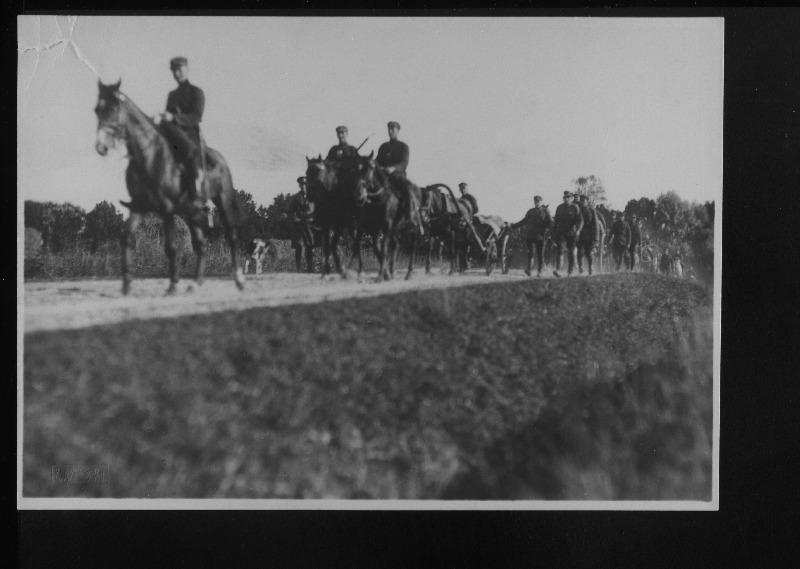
[180,125]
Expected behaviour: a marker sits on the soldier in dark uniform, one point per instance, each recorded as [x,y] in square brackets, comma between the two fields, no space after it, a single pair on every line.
[301,210]
[342,151]
[620,238]
[180,124]
[393,155]
[567,223]
[537,222]
[635,247]
[589,235]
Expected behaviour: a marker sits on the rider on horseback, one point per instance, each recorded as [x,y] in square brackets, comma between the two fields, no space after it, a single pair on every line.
[343,150]
[180,124]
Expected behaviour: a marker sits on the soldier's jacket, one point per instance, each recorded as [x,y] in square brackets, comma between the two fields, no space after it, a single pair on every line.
[537,222]
[590,233]
[620,233]
[393,153]
[342,152]
[636,235]
[300,208]
[568,221]
[187,103]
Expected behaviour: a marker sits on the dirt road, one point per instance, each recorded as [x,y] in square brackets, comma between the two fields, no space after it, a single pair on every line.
[78,304]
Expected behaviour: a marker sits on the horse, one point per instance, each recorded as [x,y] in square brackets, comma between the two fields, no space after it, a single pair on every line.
[330,186]
[155,184]
[386,206]
[440,216]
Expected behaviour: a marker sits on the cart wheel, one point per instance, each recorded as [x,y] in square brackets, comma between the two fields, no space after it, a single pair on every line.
[491,255]
[504,255]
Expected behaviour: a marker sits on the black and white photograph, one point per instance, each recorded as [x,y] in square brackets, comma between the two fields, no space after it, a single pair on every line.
[317,262]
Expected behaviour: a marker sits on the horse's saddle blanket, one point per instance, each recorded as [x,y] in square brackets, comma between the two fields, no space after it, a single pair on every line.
[495,222]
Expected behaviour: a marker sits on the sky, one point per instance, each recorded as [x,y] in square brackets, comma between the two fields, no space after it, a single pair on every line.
[512,106]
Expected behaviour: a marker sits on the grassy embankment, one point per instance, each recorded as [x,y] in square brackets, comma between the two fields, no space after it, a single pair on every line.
[573,389]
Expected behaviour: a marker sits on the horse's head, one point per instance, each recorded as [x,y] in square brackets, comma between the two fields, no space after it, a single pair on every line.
[426,203]
[370,179]
[110,117]
[319,178]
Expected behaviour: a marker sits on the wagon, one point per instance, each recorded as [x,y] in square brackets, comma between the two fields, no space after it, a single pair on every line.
[491,234]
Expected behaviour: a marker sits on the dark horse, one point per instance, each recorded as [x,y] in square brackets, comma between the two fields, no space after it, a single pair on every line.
[442,215]
[154,180]
[387,206]
[331,189]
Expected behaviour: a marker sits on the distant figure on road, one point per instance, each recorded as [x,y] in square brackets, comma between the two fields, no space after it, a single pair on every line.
[635,248]
[537,223]
[589,235]
[343,150]
[619,237]
[665,266]
[301,211]
[567,223]
[677,264]
[180,125]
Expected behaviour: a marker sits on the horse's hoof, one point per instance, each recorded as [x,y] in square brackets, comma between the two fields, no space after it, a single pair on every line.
[408,275]
[171,290]
[126,288]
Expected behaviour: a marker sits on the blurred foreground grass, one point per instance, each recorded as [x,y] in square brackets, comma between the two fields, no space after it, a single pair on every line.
[574,389]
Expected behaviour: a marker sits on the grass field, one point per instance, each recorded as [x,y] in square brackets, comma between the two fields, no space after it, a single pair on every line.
[575,389]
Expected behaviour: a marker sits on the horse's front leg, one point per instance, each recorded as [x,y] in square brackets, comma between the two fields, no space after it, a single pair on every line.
[382,255]
[413,252]
[337,233]
[199,244]
[393,248]
[356,252]
[127,241]
[326,251]
[172,252]
[453,252]
[232,235]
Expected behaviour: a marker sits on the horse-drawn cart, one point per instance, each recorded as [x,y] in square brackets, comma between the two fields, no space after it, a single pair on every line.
[490,233]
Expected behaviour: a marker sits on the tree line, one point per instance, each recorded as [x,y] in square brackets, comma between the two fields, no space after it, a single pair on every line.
[63,224]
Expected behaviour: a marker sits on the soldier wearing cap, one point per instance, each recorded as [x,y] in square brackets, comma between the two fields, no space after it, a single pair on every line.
[620,238]
[589,235]
[180,124]
[393,155]
[567,223]
[343,150]
[537,223]
[301,211]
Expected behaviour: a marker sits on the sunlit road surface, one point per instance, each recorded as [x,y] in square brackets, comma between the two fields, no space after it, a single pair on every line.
[78,304]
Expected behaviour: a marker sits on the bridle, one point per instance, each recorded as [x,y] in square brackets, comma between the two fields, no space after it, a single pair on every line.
[117,130]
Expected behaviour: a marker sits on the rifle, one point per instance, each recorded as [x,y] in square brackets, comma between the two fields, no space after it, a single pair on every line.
[363,143]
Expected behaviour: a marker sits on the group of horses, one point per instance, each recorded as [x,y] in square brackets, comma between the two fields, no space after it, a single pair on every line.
[356,196]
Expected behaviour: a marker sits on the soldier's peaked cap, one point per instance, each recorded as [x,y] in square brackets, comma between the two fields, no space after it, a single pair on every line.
[341,129]
[462,185]
[567,194]
[537,198]
[301,180]
[584,197]
[393,124]
[177,62]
